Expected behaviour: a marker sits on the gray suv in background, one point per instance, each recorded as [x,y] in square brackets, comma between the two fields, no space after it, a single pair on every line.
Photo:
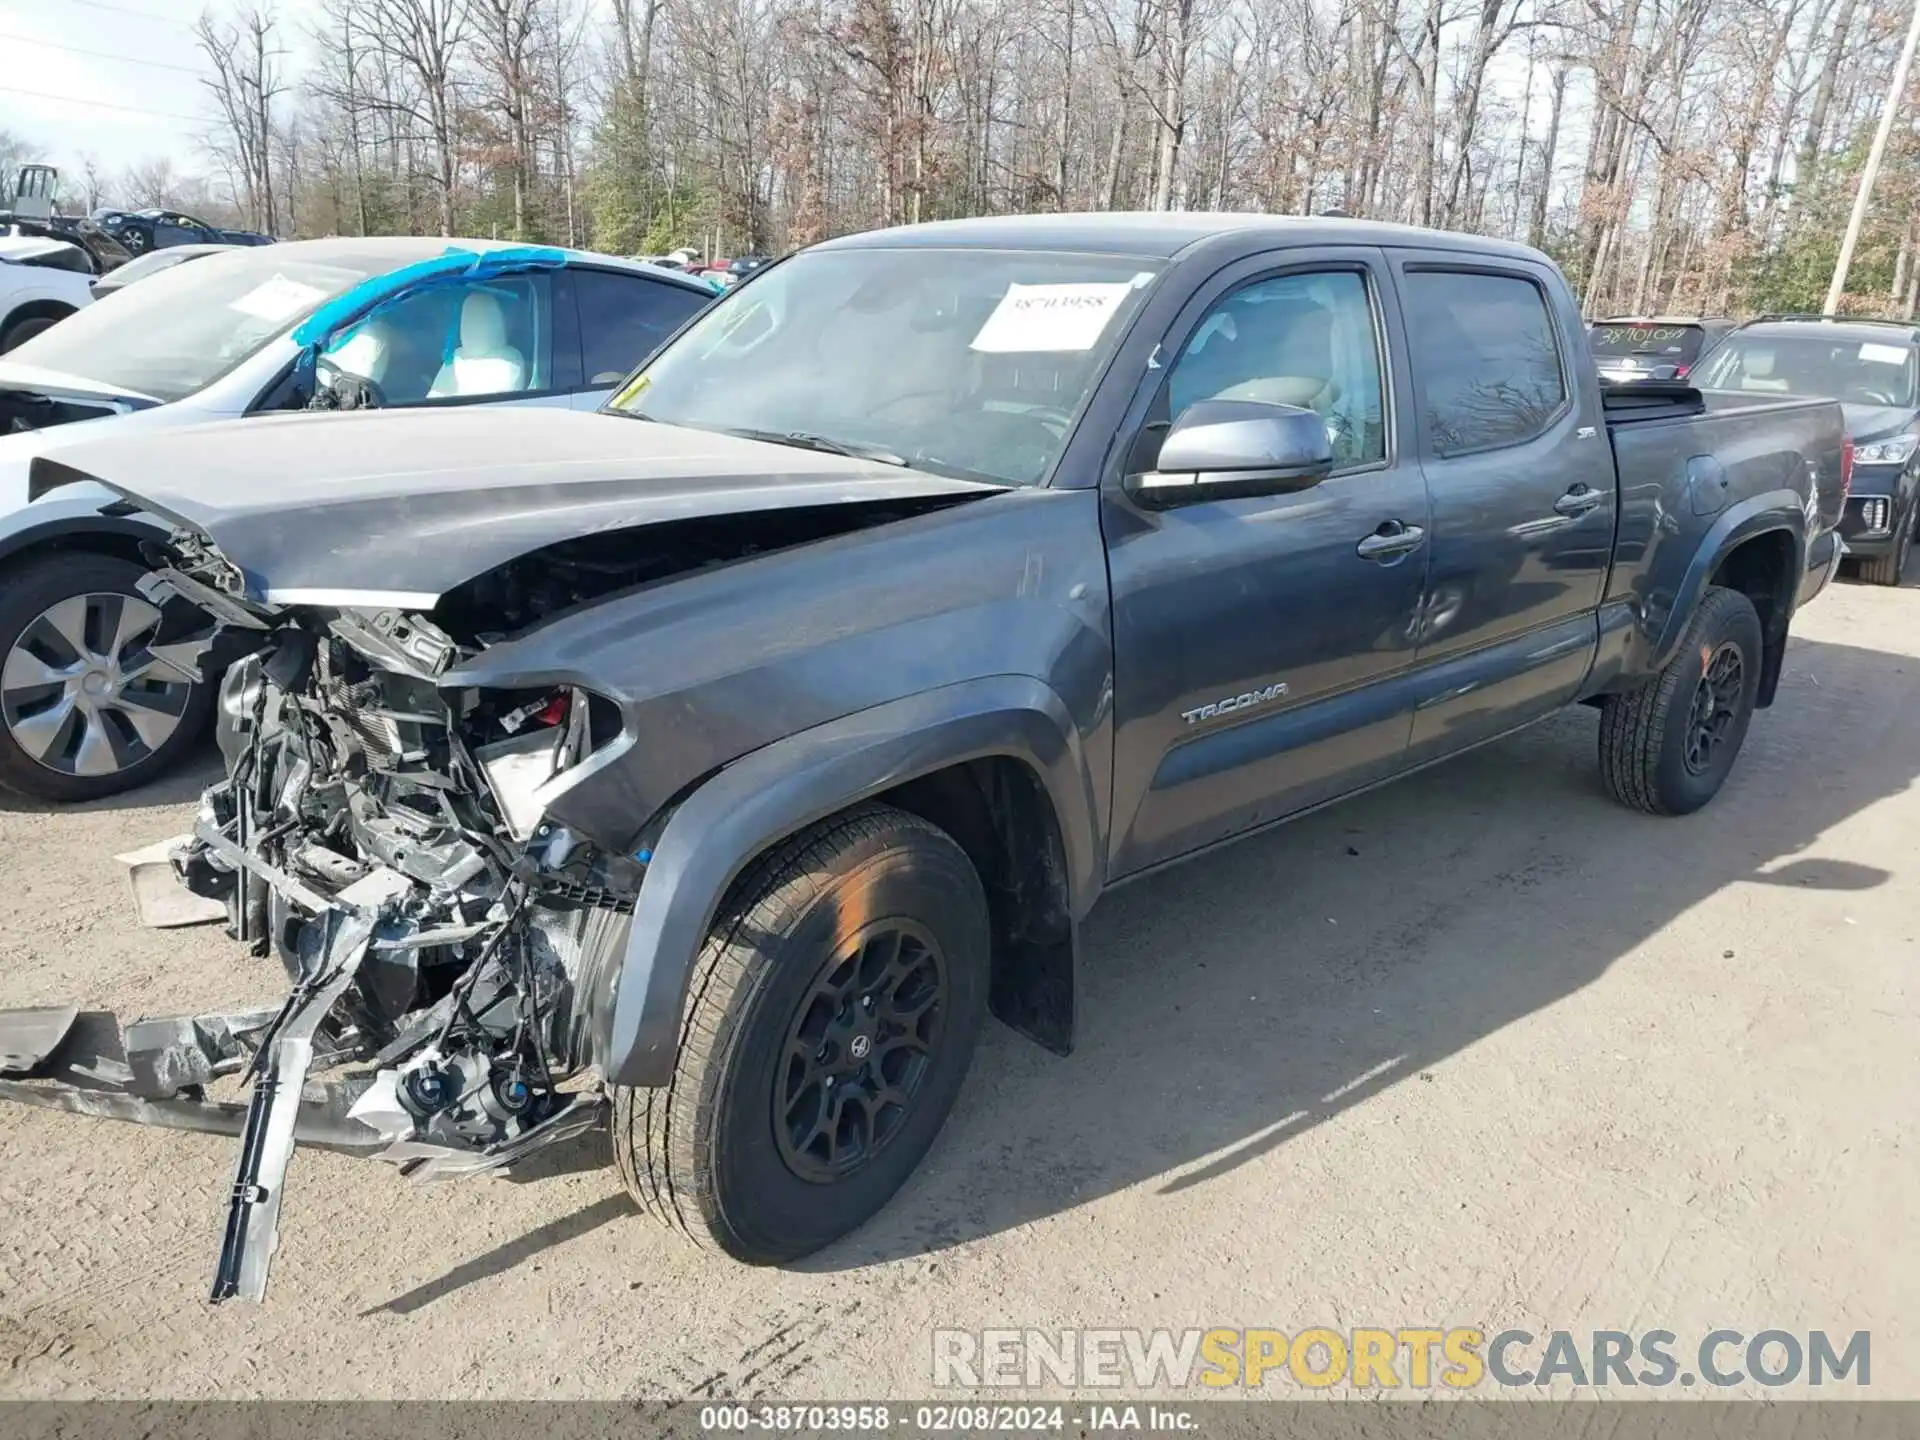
[1872,367]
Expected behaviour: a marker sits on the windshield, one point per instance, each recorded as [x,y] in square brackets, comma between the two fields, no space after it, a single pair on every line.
[1667,344]
[178,331]
[972,363]
[1858,372]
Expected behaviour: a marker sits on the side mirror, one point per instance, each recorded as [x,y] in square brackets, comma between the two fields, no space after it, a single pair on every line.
[1219,449]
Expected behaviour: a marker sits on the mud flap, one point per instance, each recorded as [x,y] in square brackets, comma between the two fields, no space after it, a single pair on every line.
[266,1143]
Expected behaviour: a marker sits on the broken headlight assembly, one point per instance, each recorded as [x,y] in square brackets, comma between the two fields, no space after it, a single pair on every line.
[532,748]
[386,837]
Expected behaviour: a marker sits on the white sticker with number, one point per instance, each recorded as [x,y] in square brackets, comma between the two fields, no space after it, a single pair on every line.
[1049,317]
[278,299]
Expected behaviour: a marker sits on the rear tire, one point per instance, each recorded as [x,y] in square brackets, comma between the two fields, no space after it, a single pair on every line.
[831,1017]
[1888,569]
[1667,747]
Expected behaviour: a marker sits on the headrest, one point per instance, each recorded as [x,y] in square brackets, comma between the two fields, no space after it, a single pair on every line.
[364,353]
[483,324]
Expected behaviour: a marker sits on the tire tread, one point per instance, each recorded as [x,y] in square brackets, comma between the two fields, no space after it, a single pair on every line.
[656,1129]
[1633,724]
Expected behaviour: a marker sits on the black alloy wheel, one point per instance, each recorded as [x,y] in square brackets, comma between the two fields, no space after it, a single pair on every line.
[858,1047]
[1715,710]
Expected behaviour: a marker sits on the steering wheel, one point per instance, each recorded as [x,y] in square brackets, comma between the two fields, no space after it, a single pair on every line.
[1011,443]
[337,389]
[896,401]
[1878,397]
[1053,417]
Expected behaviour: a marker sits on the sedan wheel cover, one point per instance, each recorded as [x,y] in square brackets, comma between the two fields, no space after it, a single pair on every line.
[80,693]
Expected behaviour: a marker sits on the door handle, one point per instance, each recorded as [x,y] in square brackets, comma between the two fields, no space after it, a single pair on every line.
[1391,541]
[1579,500]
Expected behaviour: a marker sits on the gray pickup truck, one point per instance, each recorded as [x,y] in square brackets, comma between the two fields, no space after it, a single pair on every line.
[714,764]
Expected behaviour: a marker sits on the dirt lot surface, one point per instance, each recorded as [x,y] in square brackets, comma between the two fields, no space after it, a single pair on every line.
[1479,1049]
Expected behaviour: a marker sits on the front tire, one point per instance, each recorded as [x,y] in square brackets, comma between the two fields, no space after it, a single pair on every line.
[21,331]
[84,710]
[830,1020]
[1667,747]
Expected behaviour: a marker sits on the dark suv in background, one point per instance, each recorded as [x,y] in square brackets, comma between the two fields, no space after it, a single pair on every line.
[1872,367]
[1628,348]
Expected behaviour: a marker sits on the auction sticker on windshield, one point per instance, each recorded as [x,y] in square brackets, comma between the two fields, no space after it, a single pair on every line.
[1049,317]
[278,299]
[1883,354]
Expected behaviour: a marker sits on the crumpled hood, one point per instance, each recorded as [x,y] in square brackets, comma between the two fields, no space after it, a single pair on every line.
[398,507]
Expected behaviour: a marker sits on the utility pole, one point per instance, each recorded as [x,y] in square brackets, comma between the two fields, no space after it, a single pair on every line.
[1895,92]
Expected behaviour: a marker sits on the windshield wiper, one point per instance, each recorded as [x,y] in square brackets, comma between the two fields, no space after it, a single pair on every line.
[801,440]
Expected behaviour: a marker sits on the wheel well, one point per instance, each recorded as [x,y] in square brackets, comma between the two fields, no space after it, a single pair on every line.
[36,310]
[92,542]
[998,812]
[1762,570]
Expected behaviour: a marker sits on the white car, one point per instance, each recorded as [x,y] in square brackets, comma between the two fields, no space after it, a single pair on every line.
[85,708]
[42,281]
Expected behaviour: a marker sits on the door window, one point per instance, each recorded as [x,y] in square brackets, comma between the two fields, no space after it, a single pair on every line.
[176,230]
[488,340]
[623,320]
[1307,340]
[1485,358]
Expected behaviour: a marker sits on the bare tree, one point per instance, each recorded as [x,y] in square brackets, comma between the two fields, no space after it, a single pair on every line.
[245,83]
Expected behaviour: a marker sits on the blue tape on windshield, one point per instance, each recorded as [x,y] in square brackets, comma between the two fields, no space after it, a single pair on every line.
[456,267]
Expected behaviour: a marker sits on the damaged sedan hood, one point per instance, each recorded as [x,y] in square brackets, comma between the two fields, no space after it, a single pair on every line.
[397,508]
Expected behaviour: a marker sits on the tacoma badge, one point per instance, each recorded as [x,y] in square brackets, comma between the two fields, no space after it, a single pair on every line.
[1245,701]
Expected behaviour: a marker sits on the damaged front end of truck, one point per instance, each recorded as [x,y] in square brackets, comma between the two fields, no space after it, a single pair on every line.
[381,835]
[436,813]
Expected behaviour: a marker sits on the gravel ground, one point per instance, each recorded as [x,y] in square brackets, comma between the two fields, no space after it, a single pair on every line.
[1479,1049]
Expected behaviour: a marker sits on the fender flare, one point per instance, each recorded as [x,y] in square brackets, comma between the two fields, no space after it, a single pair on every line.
[1775,510]
[66,519]
[637,1009]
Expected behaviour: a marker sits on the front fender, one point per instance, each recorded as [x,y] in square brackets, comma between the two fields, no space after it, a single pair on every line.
[37,284]
[1775,510]
[777,790]
[68,518]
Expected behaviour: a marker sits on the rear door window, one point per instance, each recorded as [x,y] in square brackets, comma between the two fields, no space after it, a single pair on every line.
[1486,359]
[623,320]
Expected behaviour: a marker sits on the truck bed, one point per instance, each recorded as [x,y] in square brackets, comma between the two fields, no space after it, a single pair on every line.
[1714,452]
